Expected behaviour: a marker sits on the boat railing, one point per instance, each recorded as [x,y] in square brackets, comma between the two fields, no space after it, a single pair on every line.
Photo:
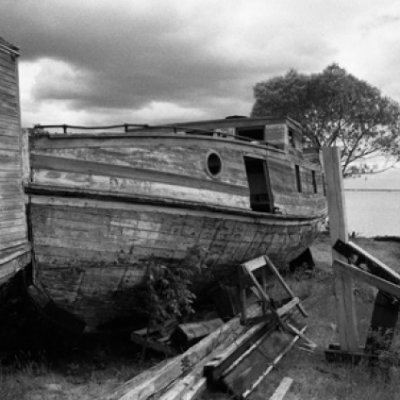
[126,127]
[140,128]
[127,130]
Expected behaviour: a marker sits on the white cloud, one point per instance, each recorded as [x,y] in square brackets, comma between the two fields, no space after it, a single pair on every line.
[103,59]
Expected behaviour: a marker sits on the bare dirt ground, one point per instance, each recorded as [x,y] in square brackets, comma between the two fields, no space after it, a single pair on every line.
[39,362]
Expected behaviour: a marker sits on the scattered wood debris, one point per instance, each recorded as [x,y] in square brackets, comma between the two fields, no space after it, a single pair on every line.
[156,339]
[186,335]
[282,389]
[366,268]
[234,355]
[158,379]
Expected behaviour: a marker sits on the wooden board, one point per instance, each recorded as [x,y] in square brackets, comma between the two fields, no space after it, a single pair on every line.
[241,378]
[281,391]
[87,251]
[153,382]
[344,288]
[13,230]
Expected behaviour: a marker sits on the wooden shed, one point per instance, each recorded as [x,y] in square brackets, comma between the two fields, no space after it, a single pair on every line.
[14,245]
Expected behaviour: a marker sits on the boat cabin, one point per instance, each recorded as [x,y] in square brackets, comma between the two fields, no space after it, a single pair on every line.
[252,164]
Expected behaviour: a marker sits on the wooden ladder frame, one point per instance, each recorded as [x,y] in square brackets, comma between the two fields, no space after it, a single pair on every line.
[246,270]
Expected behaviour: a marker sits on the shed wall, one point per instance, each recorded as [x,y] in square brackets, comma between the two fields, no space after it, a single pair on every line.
[14,246]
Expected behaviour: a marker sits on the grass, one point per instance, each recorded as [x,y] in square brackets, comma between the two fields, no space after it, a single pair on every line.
[84,370]
[315,378]
[93,368]
[76,380]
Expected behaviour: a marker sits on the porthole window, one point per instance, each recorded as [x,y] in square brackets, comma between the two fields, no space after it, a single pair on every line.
[213,163]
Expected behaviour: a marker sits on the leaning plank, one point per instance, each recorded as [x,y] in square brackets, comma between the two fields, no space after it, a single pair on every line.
[386,308]
[344,289]
[188,387]
[284,284]
[144,385]
[221,361]
[346,313]
[195,390]
[191,385]
[375,266]
[243,345]
[364,276]
[282,389]
[247,392]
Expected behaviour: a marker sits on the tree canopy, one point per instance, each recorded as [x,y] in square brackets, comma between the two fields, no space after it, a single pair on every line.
[334,107]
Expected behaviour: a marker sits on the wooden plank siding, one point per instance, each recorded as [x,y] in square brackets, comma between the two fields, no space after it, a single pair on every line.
[171,167]
[14,247]
[90,252]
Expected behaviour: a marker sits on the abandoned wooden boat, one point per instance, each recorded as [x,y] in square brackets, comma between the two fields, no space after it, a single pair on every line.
[214,193]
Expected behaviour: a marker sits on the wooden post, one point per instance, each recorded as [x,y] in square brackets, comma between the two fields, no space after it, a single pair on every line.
[346,313]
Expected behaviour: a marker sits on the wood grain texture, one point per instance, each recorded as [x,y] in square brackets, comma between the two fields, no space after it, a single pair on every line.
[281,391]
[152,382]
[344,287]
[87,254]
[13,231]
[139,166]
[104,207]
[367,277]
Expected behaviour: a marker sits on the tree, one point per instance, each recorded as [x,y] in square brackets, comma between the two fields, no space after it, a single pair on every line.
[334,107]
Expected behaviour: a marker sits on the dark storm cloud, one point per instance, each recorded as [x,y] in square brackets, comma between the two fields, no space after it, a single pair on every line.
[128,54]
[121,59]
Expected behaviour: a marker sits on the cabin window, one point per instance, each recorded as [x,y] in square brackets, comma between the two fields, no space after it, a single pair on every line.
[213,163]
[254,133]
[291,139]
[259,185]
[298,178]
[314,182]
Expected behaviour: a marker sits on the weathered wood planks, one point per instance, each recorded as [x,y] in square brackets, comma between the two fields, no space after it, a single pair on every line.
[13,229]
[174,166]
[87,251]
[282,389]
[344,288]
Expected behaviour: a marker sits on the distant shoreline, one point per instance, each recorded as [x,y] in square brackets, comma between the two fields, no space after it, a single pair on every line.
[372,190]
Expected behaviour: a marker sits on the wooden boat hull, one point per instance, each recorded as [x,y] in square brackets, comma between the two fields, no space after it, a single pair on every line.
[106,206]
[90,254]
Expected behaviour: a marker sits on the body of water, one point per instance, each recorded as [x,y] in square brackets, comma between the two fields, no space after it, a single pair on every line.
[373,212]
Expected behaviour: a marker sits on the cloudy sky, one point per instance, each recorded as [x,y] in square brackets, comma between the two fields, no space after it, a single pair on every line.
[152,61]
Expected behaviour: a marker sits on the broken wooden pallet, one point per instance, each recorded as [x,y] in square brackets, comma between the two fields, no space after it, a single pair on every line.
[245,377]
[194,382]
[159,378]
[247,272]
[242,366]
[241,347]
[370,270]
